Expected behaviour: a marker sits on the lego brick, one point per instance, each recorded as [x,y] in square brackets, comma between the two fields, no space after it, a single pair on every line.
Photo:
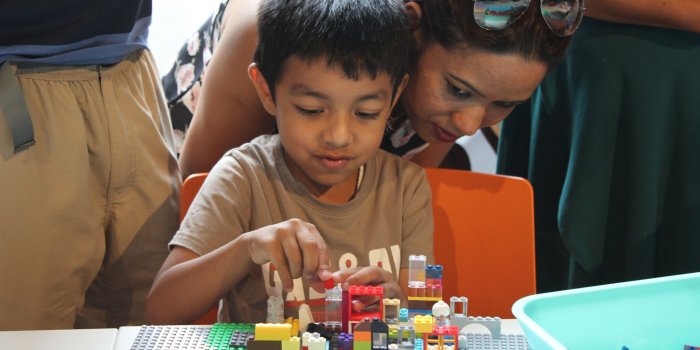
[366,290]
[362,345]
[272,331]
[419,344]
[345,341]
[264,345]
[239,339]
[484,341]
[317,342]
[423,324]
[293,343]
[433,299]
[362,336]
[403,315]
[460,302]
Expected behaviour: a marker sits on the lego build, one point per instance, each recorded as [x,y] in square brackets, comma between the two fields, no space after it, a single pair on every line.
[429,323]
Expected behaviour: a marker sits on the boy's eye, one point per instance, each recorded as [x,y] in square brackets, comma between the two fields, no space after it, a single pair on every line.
[457,91]
[308,111]
[367,115]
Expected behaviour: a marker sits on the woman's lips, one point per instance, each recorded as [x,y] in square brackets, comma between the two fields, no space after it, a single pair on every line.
[444,135]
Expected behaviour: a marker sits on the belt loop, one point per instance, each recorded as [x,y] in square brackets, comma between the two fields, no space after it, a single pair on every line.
[15,110]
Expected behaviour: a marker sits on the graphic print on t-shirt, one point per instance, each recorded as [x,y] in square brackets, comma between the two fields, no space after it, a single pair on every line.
[302,294]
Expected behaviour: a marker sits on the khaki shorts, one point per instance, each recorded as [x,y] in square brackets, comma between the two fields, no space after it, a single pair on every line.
[87,212]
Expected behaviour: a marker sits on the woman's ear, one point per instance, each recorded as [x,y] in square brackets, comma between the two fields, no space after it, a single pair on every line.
[415,15]
[262,88]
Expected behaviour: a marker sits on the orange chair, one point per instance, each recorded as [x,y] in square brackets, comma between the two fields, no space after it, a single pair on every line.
[190,188]
[484,238]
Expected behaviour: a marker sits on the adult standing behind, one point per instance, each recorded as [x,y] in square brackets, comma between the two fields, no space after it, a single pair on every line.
[88,174]
[610,145]
[475,61]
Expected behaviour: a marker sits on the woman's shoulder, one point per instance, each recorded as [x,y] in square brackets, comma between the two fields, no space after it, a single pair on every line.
[400,138]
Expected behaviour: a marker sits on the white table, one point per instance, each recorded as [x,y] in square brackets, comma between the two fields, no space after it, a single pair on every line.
[64,339]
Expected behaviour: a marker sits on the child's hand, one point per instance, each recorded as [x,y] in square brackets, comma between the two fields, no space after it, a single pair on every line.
[369,276]
[295,248]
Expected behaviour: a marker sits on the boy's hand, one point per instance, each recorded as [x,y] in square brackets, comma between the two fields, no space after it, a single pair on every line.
[369,276]
[295,248]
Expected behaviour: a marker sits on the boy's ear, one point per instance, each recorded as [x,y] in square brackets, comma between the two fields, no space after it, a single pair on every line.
[262,88]
[399,90]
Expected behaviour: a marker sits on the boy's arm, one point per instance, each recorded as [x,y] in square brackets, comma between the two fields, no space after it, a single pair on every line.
[187,285]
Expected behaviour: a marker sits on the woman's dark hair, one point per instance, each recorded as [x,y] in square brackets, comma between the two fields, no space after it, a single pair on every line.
[451,24]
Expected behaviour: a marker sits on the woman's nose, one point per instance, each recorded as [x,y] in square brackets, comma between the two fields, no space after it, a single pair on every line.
[468,120]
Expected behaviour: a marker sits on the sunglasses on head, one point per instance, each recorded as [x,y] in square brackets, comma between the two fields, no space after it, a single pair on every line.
[563,17]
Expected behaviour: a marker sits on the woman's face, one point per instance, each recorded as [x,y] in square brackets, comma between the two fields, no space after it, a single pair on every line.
[457,92]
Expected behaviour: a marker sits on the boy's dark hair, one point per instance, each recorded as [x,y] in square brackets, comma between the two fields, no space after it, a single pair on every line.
[451,23]
[359,36]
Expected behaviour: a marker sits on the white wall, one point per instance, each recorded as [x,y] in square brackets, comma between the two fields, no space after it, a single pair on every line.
[173,23]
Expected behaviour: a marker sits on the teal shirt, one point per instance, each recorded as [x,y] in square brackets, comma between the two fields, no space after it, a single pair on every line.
[611,144]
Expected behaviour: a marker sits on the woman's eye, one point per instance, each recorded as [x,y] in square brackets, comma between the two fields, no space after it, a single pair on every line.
[507,105]
[308,111]
[457,91]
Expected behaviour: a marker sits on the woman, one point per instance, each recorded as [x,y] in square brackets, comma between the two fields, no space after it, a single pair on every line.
[615,163]
[470,72]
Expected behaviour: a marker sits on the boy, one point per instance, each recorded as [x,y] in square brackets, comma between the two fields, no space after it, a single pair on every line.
[319,192]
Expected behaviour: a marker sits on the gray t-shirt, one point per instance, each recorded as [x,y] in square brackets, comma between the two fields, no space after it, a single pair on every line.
[389,218]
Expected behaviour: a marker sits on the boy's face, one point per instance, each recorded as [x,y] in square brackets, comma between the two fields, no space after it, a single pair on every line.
[329,124]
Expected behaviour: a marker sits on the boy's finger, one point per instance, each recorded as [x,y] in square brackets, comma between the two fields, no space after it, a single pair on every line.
[365,304]
[366,276]
[308,241]
[324,268]
[280,262]
[292,255]
[341,275]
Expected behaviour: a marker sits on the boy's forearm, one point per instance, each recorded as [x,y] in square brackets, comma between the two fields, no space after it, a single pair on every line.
[185,291]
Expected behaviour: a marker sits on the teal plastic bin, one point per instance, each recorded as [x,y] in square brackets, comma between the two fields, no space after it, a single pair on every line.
[658,313]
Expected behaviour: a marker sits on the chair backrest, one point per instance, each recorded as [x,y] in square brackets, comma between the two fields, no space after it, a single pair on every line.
[190,187]
[484,238]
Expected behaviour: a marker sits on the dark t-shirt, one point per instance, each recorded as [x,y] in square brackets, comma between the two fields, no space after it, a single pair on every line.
[72,32]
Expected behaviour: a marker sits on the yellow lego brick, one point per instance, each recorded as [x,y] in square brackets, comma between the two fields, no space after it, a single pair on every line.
[272,331]
[423,323]
[425,298]
[295,326]
[388,301]
[294,343]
